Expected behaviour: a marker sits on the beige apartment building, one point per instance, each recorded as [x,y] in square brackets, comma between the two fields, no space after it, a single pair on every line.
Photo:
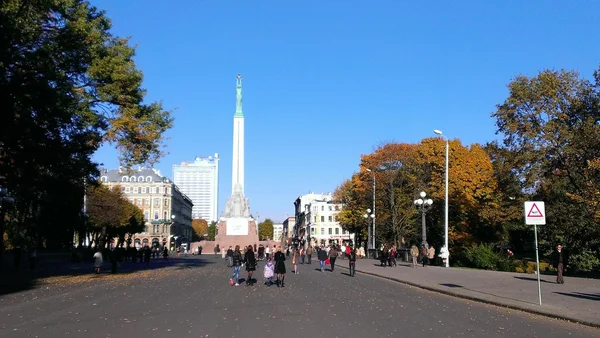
[167,211]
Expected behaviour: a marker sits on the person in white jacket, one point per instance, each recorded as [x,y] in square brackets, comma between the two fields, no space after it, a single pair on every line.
[444,254]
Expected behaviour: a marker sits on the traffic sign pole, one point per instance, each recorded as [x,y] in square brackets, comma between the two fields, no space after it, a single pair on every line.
[535,213]
[537,264]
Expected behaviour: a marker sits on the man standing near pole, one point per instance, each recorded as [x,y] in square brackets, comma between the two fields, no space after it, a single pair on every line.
[559,262]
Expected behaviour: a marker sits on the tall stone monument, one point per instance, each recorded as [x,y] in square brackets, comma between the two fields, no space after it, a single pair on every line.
[236,227]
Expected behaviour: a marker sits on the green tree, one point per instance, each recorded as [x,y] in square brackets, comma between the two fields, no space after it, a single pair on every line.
[265,229]
[66,86]
[351,217]
[550,131]
[112,215]
[212,231]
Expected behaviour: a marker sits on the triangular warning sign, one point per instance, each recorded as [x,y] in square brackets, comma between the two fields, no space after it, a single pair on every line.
[534,211]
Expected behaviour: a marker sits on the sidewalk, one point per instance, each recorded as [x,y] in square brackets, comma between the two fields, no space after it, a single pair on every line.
[577,300]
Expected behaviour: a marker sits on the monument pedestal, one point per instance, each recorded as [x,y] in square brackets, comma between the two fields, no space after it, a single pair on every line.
[236,231]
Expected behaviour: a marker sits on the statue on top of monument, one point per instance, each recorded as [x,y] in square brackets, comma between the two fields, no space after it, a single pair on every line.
[237,205]
[238,89]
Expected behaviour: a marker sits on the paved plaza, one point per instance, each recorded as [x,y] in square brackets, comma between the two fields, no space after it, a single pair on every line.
[191,297]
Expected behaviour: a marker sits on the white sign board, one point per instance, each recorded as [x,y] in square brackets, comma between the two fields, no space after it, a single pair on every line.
[535,213]
[237,226]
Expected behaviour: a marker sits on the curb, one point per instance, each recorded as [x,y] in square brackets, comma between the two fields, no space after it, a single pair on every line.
[484,301]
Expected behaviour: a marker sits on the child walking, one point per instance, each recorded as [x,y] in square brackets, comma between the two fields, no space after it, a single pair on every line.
[269,271]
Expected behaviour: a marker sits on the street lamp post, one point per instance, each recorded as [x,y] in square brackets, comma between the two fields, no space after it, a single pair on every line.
[423,205]
[439,132]
[373,214]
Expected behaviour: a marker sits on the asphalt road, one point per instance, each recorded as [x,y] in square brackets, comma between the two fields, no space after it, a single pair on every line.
[192,298]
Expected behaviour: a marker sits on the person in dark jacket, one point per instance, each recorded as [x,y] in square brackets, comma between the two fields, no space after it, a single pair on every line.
[229,257]
[250,260]
[559,262]
[279,258]
[352,262]
[236,259]
[322,255]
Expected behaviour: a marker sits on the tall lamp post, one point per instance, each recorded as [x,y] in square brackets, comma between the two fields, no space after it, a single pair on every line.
[373,214]
[423,205]
[439,132]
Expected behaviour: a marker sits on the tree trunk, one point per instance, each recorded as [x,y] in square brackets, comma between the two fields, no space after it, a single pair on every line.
[2,213]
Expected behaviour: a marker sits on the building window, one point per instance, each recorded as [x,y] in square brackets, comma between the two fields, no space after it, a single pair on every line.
[143,190]
[166,202]
[329,231]
[141,179]
[103,179]
[127,190]
[312,231]
[147,202]
[322,218]
[124,179]
[148,179]
[157,191]
[337,208]
[337,231]
[330,218]
[132,179]
[322,231]
[139,190]
[330,208]
[322,208]
[131,200]
[156,215]
[146,215]
[157,202]
[139,201]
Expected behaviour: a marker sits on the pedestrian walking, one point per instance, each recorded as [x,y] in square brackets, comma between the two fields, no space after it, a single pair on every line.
[309,252]
[333,253]
[230,257]
[352,262]
[250,260]
[444,254]
[269,272]
[279,258]
[414,252]
[98,261]
[217,250]
[559,262]
[236,262]
[424,255]
[393,254]
[302,255]
[295,260]
[431,254]
[322,255]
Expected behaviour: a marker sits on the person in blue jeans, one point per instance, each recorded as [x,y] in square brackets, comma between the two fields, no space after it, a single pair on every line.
[236,262]
[322,258]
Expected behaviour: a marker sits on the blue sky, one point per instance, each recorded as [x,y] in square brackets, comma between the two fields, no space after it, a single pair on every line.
[326,81]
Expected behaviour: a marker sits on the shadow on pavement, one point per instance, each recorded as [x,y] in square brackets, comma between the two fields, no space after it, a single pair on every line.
[533,279]
[452,285]
[589,296]
[12,281]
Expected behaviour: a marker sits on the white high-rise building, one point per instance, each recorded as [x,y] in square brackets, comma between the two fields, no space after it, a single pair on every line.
[199,180]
